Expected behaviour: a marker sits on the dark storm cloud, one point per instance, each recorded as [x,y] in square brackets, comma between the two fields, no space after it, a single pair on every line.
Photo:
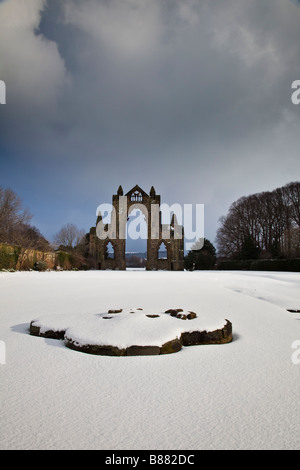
[192,96]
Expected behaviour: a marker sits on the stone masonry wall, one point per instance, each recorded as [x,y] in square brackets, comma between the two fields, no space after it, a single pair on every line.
[18,258]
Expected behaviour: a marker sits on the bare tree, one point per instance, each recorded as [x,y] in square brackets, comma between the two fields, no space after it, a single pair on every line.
[13,216]
[271,220]
[69,236]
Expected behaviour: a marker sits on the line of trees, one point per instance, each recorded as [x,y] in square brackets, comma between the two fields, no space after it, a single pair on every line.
[262,225]
[16,230]
[15,227]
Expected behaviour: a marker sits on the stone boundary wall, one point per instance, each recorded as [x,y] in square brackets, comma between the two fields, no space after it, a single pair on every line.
[22,259]
[28,257]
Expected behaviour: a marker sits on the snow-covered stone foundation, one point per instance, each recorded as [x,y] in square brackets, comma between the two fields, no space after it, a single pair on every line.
[133,332]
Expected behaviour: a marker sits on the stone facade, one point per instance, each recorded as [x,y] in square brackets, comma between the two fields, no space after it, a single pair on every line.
[172,235]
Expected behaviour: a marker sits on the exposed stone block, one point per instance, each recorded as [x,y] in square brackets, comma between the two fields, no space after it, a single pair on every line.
[172,346]
[143,351]
[174,311]
[99,350]
[36,331]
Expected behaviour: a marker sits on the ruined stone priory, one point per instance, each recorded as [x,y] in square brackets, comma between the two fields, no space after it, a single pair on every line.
[158,234]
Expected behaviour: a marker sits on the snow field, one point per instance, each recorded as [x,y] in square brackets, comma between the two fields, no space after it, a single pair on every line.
[234,396]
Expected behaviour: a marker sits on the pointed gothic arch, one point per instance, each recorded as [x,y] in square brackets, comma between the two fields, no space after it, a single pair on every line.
[148,204]
[162,250]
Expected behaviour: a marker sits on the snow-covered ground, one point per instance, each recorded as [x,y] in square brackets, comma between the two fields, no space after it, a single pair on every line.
[241,395]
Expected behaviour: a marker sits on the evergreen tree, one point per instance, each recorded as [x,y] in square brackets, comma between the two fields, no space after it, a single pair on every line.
[250,249]
[201,259]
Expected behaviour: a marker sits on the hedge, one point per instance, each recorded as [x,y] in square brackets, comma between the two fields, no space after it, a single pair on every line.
[234,264]
[291,265]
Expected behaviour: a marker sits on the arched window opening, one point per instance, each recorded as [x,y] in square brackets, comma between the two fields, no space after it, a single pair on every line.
[136,196]
[110,252]
[162,252]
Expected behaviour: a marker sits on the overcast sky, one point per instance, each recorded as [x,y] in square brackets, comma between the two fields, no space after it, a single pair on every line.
[191,96]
